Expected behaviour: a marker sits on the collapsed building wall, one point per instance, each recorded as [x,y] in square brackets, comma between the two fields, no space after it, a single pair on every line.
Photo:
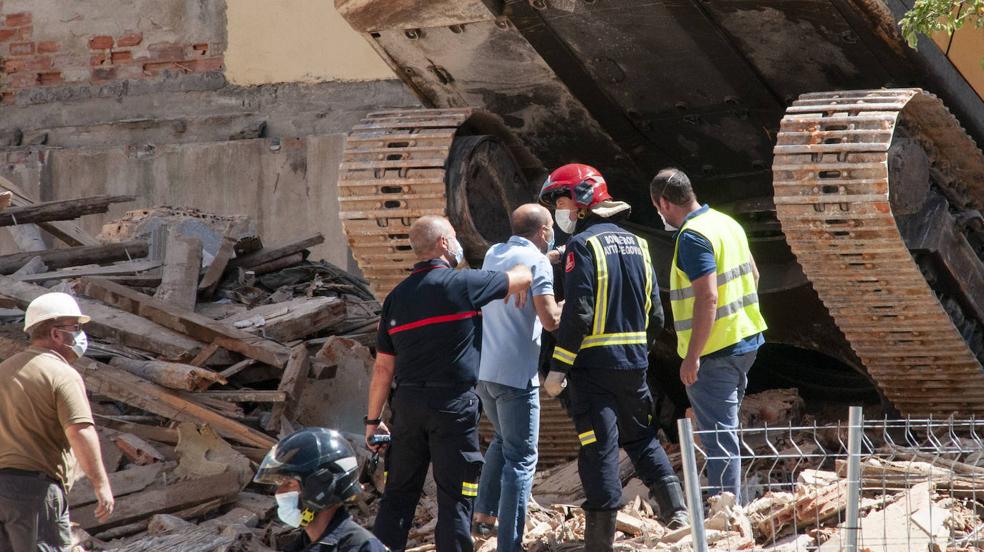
[100,97]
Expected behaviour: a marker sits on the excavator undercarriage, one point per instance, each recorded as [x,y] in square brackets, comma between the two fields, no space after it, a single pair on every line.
[862,198]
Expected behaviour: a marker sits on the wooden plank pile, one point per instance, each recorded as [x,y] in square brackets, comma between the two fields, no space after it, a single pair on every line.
[202,342]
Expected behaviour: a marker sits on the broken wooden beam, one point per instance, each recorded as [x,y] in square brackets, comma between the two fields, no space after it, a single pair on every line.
[128,481]
[112,324]
[68,232]
[213,274]
[187,322]
[293,319]
[55,259]
[172,375]
[5,199]
[135,527]
[292,383]
[137,450]
[246,395]
[182,265]
[268,254]
[114,383]
[124,267]
[278,264]
[65,209]
[175,496]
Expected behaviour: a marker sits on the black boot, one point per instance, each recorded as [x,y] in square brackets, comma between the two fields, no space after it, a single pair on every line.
[599,530]
[668,495]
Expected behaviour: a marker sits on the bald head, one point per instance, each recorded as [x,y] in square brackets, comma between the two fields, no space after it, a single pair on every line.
[529,219]
[426,234]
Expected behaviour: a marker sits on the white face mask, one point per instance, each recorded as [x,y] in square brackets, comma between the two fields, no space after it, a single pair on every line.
[457,252]
[287,509]
[666,224]
[80,342]
[564,220]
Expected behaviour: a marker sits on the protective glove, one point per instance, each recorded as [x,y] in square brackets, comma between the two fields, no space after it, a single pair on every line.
[555,383]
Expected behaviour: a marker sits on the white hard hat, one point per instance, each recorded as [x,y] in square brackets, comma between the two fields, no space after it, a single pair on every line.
[52,305]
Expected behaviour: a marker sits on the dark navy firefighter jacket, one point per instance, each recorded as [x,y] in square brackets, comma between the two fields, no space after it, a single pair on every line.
[612,305]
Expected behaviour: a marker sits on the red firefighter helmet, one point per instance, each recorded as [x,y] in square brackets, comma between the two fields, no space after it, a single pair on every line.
[582,183]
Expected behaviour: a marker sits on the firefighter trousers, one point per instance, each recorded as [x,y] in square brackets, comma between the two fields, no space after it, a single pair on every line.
[612,409]
[439,426]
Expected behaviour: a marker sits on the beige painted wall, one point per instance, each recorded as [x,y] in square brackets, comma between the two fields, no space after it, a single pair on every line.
[295,40]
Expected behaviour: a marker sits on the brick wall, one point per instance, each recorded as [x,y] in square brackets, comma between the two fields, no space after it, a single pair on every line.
[43,44]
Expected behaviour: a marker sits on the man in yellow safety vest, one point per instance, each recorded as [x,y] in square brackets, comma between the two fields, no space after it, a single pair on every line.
[713,283]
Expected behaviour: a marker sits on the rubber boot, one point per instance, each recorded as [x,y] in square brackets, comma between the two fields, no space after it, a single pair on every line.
[668,495]
[599,530]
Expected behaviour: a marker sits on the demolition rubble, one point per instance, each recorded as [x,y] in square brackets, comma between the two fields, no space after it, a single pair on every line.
[208,344]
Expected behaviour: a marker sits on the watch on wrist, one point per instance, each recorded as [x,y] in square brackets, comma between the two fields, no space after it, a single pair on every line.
[374,421]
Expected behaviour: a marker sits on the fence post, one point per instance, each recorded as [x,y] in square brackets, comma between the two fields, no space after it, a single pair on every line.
[691,484]
[855,430]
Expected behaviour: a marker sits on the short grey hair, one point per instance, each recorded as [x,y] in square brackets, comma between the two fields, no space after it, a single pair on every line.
[528,218]
[425,233]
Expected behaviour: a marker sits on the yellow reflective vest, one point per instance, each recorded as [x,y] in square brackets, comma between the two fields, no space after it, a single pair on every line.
[738,314]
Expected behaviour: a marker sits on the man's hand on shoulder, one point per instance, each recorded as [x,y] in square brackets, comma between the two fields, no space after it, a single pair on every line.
[520,277]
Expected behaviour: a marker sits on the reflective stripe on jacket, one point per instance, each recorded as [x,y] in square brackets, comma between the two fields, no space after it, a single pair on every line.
[611,300]
[738,314]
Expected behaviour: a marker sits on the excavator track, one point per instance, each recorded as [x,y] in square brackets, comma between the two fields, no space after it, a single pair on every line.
[392,173]
[832,195]
[395,169]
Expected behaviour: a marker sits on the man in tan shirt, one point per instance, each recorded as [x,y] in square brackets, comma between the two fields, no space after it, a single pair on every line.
[44,419]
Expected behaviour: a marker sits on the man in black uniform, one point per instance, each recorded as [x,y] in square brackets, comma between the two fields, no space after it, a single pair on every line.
[316,473]
[612,312]
[428,350]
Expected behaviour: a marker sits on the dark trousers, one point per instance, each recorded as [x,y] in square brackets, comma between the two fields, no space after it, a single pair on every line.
[612,409]
[33,513]
[438,426]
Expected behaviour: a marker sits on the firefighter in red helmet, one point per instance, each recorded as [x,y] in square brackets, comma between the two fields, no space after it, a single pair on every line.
[611,313]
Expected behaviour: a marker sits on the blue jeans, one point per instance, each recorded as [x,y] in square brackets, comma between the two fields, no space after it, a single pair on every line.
[716,398]
[510,461]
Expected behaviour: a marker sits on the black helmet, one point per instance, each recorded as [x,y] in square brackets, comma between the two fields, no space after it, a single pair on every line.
[321,460]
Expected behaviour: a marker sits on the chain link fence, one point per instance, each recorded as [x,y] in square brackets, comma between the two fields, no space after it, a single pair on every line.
[876,485]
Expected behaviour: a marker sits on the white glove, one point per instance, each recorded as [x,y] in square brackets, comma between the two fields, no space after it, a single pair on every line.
[555,383]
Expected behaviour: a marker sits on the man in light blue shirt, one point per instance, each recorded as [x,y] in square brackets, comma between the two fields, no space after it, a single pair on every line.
[507,378]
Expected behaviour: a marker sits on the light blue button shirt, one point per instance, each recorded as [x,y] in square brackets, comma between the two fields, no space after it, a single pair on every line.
[511,336]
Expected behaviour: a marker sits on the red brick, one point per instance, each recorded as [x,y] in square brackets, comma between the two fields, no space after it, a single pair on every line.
[17,19]
[123,56]
[26,64]
[203,65]
[22,80]
[166,51]
[103,73]
[50,78]
[201,48]
[21,48]
[98,59]
[101,42]
[47,47]
[158,67]
[7,34]
[25,33]
[129,39]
